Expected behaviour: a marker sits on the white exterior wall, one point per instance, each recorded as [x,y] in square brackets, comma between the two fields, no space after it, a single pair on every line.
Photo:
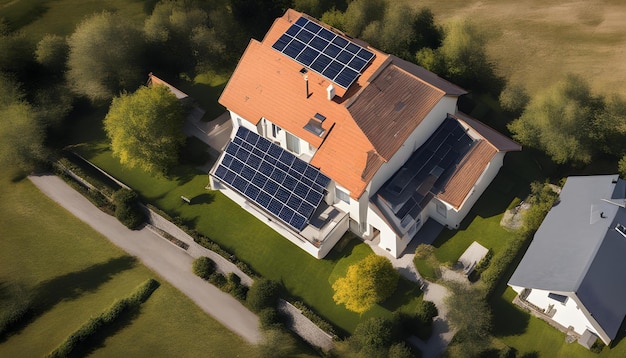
[568,314]
[453,217]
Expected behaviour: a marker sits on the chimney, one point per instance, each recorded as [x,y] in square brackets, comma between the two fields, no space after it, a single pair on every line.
[331,92]
[306,82]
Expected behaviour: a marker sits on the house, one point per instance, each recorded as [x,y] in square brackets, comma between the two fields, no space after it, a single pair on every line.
[331,135]
[571,275]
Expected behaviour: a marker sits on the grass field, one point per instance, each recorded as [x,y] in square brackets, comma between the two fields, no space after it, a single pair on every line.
[71,272]
[535,42]
[268,253]
[37,18]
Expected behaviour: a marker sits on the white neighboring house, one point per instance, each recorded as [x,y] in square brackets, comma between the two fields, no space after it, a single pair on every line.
[331,135]
[572,273]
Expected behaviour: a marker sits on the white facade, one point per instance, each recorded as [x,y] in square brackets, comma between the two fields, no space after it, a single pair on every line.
[365,220]
[569,313]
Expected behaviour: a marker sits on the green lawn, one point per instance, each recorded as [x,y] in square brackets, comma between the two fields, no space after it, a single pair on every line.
[536,42]
[268,253]
[72,273]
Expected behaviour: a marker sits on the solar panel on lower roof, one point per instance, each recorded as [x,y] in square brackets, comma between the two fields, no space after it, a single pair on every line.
[323,51]
[277,185]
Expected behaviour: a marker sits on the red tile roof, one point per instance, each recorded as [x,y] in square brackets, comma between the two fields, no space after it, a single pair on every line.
[365,125]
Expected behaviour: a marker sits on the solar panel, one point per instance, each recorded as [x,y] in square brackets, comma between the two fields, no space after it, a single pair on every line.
[271,177]
[323,51]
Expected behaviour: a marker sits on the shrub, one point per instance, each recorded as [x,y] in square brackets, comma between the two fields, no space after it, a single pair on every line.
[91,327]
[217,279]
[426,311]
[203,267]
[127,209]
[269,318]
[262,294]
[597,346]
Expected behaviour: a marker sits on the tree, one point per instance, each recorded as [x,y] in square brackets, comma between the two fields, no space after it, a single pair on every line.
[400,350]
[16,53]
[263,294]
[145,129]
[560,120]
[52,52]
[256,16]
[514,98]
[368,282]
[542,198]
[621,166]
[104,56]
[372,337]
[469,313]
[21,133]
[462,58]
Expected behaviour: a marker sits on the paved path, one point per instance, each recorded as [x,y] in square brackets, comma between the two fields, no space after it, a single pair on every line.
[442,332]
[171,263]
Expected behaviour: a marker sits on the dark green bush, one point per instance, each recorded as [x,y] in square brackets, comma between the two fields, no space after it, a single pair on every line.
[263,294]
[426,311]
[203,267]
[217,279]
[269,319]
[127,209]
[597,346]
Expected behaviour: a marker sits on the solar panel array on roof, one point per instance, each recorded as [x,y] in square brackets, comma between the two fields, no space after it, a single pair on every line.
[428,169]
[287,187]
[323,51]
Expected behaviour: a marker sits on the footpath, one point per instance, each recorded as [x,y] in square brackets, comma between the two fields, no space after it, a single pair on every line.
[170,262]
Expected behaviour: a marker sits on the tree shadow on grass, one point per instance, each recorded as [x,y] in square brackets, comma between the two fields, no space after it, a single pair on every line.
[404,293]
[68,287]
[508,319]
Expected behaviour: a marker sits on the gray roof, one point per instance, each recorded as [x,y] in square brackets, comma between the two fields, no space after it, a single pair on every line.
[578,250]
[423,176]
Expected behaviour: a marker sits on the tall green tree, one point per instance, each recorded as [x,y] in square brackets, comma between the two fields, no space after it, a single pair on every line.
[189,35]
[462,58]
[468,313]
[560,121]
[105,54]
[51,52]
[368,282]
[145,129]
[389,26]
[21,134]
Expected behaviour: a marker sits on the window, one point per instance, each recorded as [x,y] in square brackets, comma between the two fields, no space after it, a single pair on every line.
[275,130]
[441,209]
[414,228]
[557,297]
[293,143]
[342,195]
[621,229]
[406,220]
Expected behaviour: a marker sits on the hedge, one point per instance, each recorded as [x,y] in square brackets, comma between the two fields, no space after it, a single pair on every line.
[313,317]
[93,325]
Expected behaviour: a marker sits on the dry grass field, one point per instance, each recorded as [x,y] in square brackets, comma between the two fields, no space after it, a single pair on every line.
[535,42]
